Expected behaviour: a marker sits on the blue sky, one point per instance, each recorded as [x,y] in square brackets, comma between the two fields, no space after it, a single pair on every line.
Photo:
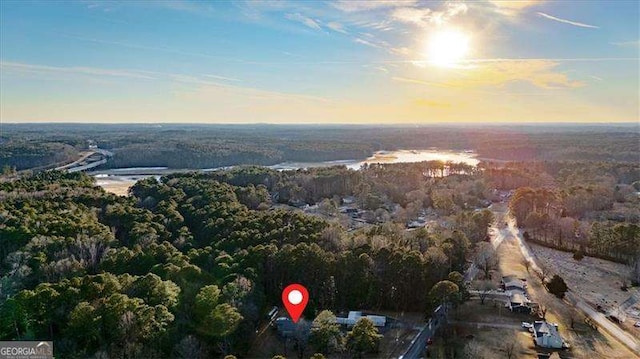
[319,61]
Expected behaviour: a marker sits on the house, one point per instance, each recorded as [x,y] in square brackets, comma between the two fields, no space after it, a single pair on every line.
[352,212]
[519,303]
[285,326]
[546,335]
[353,317]
[349,200]
[416,224]
[512,283]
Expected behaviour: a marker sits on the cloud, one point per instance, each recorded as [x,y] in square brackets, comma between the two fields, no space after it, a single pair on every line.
[539,73]
[362,41]
[382,25]
[635,43]
[307,21]
[415,16]
[403,51]
[513,7]
[90,71]
[425,16]
[369,5]
[574,23]
[218,77]
[335,26]
[421,82]
[152,48]
[433,103]
[210,91]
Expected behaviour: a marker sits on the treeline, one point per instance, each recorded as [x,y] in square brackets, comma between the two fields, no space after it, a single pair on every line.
[23,154]
[187,268]
[212,153]
[589,207]
[209,146]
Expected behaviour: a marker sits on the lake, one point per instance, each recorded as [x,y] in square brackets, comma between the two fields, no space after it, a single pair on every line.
[399,156]
[119,180]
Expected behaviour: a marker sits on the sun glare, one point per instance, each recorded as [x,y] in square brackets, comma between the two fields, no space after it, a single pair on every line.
[447,48]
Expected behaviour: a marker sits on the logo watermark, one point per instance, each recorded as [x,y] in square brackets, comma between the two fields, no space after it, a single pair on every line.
[26,350]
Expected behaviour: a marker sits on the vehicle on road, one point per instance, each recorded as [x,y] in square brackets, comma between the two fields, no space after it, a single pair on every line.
[613,319]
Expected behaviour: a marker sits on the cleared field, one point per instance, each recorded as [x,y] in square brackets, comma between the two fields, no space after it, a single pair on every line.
[597,281]
[118,187]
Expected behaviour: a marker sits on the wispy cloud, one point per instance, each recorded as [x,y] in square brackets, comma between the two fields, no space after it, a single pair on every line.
[336,26]
[421,82]
[635,43]
[433,103]
[306,21]
[565,21]
[90,71]
[218,77]
[95,73]
[197,85]
[423,16]
[152,48]
[539,73]
[565,59]
[369,5]
[382,25]
[362,41]
[513,7]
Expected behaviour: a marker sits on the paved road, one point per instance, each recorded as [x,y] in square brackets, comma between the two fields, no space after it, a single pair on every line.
[76,166]
[418,344]
[612,328]
[488,325]
[83,156]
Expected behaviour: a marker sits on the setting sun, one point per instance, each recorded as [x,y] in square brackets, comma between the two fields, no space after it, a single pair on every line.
[447,48]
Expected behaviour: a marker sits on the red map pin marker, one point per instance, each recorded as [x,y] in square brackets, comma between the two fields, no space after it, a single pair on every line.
[295,298]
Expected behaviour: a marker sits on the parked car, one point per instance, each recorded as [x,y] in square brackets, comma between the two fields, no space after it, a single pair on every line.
[637,325]
[613,319]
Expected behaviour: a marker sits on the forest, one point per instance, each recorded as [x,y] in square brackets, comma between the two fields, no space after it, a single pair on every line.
[188,265]
[25,146]
[191,264]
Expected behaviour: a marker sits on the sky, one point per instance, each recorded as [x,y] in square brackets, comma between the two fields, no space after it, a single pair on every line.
[314,62]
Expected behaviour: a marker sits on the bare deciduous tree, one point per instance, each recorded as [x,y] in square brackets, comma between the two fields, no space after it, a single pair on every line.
[486,258]
[542,272]
[511,346]
[473,351]
[484,287]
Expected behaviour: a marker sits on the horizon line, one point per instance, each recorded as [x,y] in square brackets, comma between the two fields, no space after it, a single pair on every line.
[625,123]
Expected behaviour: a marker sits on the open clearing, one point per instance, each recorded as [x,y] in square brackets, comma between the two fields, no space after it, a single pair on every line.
[597,281]
[118,187]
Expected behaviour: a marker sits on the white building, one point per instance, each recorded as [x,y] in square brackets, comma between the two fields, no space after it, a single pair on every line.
[546,335]
[353,317]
